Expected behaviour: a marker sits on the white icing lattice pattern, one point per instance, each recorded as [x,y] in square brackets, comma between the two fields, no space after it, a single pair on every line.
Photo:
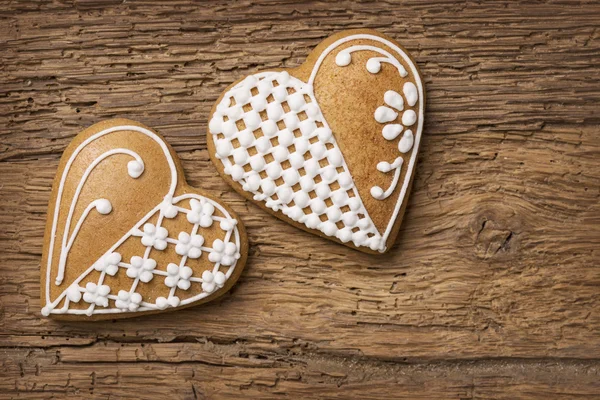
[272,138]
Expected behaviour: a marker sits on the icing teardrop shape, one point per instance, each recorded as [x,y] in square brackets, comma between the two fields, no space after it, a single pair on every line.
[393,99]
[391,131]
[407,141]
[411,94]
[385,114]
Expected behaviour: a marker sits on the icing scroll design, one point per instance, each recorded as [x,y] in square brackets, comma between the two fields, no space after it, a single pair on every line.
[222,252]
[388,113]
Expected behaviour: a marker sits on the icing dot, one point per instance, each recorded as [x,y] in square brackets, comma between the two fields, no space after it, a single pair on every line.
[269,128]
[409,117]
[363,223]
[226,225]
[262,144]
[323,191]
[252,120]
[329,173]
[345,180]
[224,148]
[135,168]
[301,145]
[324,134]
[334,156]
[385,114]
[220,278]
[280,93]
[257,163]
[311,167]
[329,228]
[73,293]
[103,206]
[318,205]
[285,138]
[312,221]
[296,213]
[258,103]
[274,110]
[373,65]
[215,124]
[350,219]
[391,131]
[339,198]
[173,301]
[312,110]
[234,113]
[229,128]
[345,235]
[307,183]
[359,238]
[45,311]
[242,95]
[301,199]
[393,99]
[290,176]
[307,127]
[291,121]
[285,194]
[374,245]
[406,143]
[161,303]
[296,101]
[283,78]
[240,156]
[410,91]
[334,214]
[274,170]
[246,138]
[236,172]
[343,58]
[268,187]
[296,160]
[354,203]
[280,154]
[377,192]
[264,87]
[252,181]
[318,150]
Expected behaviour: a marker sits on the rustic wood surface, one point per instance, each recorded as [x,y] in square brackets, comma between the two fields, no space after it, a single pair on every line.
[492,289]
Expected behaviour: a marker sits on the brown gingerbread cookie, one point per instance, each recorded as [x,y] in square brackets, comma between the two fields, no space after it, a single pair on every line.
[330,146]
[127,236]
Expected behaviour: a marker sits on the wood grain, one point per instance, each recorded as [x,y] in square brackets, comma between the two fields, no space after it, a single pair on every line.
[492,288]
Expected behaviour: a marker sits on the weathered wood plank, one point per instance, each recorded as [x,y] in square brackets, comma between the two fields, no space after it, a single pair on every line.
[492,288]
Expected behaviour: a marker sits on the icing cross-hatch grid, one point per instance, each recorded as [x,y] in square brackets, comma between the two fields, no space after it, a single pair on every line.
[275,105]
[223,252]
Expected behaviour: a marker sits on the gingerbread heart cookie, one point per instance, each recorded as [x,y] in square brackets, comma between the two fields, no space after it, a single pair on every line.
[330,146]
[127,236]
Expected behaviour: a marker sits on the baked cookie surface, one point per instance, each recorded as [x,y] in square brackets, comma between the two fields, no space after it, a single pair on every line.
[330,146]
[126,235]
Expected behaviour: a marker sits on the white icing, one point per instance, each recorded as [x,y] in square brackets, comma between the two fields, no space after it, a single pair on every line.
[409,118]
[406,143]
[411,93]
[141,268]
[385,114]
[367,235]
[393,99]
[391,131]
[385,167]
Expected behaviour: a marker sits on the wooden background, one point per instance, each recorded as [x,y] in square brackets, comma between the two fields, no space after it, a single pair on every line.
[493,287]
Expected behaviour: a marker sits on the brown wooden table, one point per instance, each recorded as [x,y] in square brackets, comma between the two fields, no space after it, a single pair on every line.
[493,287]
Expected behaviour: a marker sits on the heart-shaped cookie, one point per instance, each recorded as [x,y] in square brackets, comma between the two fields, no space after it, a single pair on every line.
[330,146]
[127,236]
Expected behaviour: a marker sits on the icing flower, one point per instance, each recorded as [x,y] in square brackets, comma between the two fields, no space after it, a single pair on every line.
[108,264]
[224,253]
[201,213]
[141,268]
[95,294]
[178,276]
[211,281]
[154,236]
[189,245]
[128,301]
